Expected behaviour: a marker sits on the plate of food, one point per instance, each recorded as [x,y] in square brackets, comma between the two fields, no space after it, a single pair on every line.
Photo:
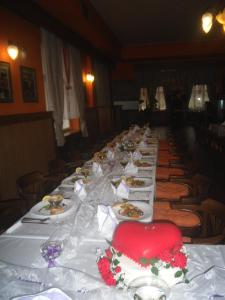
[143,164]
[70,181]
[133,210]
[148,152]
[134,183]
[52,205]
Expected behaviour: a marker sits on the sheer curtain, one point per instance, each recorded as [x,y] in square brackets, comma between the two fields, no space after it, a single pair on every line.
[51,51]
[198,98]
[77,82]
[160,98]
[103,93]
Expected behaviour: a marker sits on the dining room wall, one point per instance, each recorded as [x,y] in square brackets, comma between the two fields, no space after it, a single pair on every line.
[27,36]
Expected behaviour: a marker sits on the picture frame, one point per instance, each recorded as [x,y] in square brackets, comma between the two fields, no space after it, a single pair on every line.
[29,84]
[6,95]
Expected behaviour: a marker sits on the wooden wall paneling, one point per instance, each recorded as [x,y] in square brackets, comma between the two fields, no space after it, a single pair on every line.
[91,115]
[26,146]
[105,119]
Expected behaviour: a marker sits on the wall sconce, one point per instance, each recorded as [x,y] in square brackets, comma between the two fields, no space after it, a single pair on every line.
[90,77]
[13,50]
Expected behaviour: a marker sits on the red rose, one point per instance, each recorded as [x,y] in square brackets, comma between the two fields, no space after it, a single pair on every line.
[177,248]
[104,266]
[109,279]
[166,256]
[108,253]
[179,260]
[117,269]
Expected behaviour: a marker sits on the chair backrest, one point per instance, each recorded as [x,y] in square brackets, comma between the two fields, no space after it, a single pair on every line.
[213,217]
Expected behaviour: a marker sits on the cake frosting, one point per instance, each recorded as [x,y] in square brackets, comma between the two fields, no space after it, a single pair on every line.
[138,249]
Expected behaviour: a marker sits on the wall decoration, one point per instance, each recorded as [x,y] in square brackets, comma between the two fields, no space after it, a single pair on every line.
[5,83]
[29,84]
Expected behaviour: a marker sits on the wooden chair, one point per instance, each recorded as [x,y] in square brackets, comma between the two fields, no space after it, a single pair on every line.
[213,221]
[10,211]
[33,186]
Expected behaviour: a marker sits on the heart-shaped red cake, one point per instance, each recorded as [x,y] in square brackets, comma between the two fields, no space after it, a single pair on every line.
[138,240]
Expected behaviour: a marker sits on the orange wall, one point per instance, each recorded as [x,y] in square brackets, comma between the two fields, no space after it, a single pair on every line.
[28,36]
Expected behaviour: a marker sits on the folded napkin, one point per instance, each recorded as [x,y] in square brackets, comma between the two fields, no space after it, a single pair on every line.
[97,169]
[110,154]
[122,190]
[131,169]
[107,221]
[51,294]
[79,189]
[136,155]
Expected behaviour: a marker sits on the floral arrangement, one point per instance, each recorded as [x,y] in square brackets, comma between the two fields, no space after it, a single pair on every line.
[112,273]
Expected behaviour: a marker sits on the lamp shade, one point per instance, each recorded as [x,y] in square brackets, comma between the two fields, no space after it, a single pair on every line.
[220,17]
[207,21]
[13,51]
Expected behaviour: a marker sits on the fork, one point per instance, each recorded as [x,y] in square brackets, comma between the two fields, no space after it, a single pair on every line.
[35,220]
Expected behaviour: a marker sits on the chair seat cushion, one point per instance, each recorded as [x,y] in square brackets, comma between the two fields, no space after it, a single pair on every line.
[180,217]
[171,190]
[165,173]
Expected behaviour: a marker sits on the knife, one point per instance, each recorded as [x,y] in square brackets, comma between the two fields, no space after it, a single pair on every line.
[35,220]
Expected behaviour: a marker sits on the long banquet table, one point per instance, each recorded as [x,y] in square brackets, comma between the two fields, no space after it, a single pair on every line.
[24,271]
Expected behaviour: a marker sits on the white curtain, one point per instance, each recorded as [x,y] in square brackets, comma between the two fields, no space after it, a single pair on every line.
[51,50]
[77,83]
[198,98]
[143,99]
[160,98]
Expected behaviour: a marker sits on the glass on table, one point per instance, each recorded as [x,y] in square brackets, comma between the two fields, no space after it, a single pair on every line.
[148,288]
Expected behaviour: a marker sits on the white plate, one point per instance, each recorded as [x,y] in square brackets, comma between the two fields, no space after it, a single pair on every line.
[145,207]
[39,211]
[68,182]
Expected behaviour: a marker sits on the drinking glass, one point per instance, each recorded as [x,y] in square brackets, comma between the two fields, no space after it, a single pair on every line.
[148,288]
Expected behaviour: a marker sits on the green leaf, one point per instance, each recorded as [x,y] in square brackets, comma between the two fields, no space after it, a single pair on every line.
[144,261]
[185,271]
[119,254]
[178,274]
[167,266]
[155,270]
[116,262]
[186,281]
[153,261]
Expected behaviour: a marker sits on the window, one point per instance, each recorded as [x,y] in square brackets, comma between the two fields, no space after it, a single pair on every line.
[199,96]
[160,98]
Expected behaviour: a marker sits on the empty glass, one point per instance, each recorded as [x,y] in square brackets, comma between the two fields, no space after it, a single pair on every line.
[148,288]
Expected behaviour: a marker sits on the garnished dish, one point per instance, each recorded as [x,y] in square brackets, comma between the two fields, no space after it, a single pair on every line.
[55,205]
[130,210]
[83,171]
[142,164]
[134,182]
[99,156]
[133,210]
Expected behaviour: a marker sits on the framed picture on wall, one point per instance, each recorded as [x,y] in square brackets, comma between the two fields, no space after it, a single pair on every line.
[5,83]
[29,84]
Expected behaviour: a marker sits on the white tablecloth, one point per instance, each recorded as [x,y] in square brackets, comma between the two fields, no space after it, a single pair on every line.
[24,271]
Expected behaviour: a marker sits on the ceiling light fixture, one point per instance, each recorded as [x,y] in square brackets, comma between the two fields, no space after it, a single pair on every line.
[208,18]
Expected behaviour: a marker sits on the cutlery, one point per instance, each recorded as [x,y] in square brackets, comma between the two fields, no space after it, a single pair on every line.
[35,220]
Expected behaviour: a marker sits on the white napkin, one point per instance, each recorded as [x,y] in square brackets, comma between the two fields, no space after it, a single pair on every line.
[136,155]
[131,169]
[51,294]
[122,190]
[79,189]
[97,169]
[107,221]
[110,154]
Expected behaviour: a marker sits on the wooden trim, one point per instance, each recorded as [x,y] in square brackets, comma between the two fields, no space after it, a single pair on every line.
[20,118]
